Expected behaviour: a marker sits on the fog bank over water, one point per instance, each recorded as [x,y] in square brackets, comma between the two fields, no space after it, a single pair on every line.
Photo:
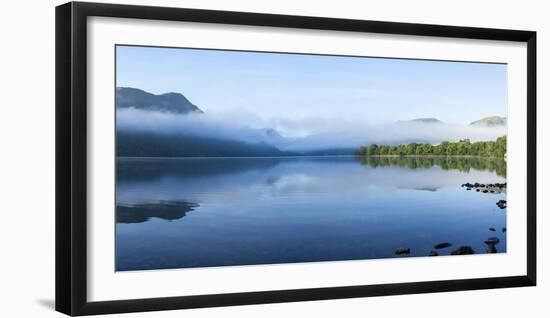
[304,134]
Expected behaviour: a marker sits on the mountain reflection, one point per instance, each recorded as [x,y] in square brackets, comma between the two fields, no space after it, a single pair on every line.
[462,164]
[139,169]
[229,180]
[166,210]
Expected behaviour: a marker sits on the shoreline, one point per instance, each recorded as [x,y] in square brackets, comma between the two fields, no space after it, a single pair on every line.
[312,156]
[429,156]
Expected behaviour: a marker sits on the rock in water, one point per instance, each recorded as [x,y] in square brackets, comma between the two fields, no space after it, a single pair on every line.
[491,249]
[492,241]
[433,253]
[492,229]
[503,230]
[463,250]
[403,250]
[442,245]
[501,204]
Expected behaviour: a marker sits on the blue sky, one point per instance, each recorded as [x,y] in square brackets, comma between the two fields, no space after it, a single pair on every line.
[298,87]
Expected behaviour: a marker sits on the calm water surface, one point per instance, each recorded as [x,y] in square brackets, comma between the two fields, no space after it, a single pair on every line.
[180,213]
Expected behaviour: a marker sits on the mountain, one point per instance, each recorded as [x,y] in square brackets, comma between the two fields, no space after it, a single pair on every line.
[207,142]
[177,144]
[491,121]
[127,97]
[147,144]
[422,121]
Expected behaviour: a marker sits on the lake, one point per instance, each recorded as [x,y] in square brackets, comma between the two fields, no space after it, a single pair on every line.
[203,212]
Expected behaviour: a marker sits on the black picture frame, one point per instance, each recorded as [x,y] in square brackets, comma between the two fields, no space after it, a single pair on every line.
[71,157]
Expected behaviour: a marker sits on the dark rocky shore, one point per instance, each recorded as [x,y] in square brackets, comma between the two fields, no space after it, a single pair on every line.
[491,243]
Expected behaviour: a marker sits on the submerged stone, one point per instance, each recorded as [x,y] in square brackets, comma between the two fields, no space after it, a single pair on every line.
[463,250]
[402,250]
[442,245]
[492,241]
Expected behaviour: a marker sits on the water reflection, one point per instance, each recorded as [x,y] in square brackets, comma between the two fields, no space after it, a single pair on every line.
[283,210]
[142,181]
[138,169]
[463,164]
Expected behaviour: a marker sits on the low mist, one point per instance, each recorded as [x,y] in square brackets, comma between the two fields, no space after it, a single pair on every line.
[303,135]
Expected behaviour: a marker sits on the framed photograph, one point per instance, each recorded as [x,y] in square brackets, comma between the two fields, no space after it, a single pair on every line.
[212,158]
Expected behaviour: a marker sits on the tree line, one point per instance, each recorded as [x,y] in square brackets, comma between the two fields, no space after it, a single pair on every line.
[496,149]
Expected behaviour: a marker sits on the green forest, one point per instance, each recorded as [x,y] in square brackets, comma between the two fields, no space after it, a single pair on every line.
[494,149]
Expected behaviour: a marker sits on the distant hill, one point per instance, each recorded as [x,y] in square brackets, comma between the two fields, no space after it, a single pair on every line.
[422,121]
[491,121]
[127,97]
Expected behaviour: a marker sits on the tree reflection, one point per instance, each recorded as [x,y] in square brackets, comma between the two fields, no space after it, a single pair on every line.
[462,164]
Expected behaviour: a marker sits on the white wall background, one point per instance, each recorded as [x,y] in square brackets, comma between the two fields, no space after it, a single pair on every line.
[27,160]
